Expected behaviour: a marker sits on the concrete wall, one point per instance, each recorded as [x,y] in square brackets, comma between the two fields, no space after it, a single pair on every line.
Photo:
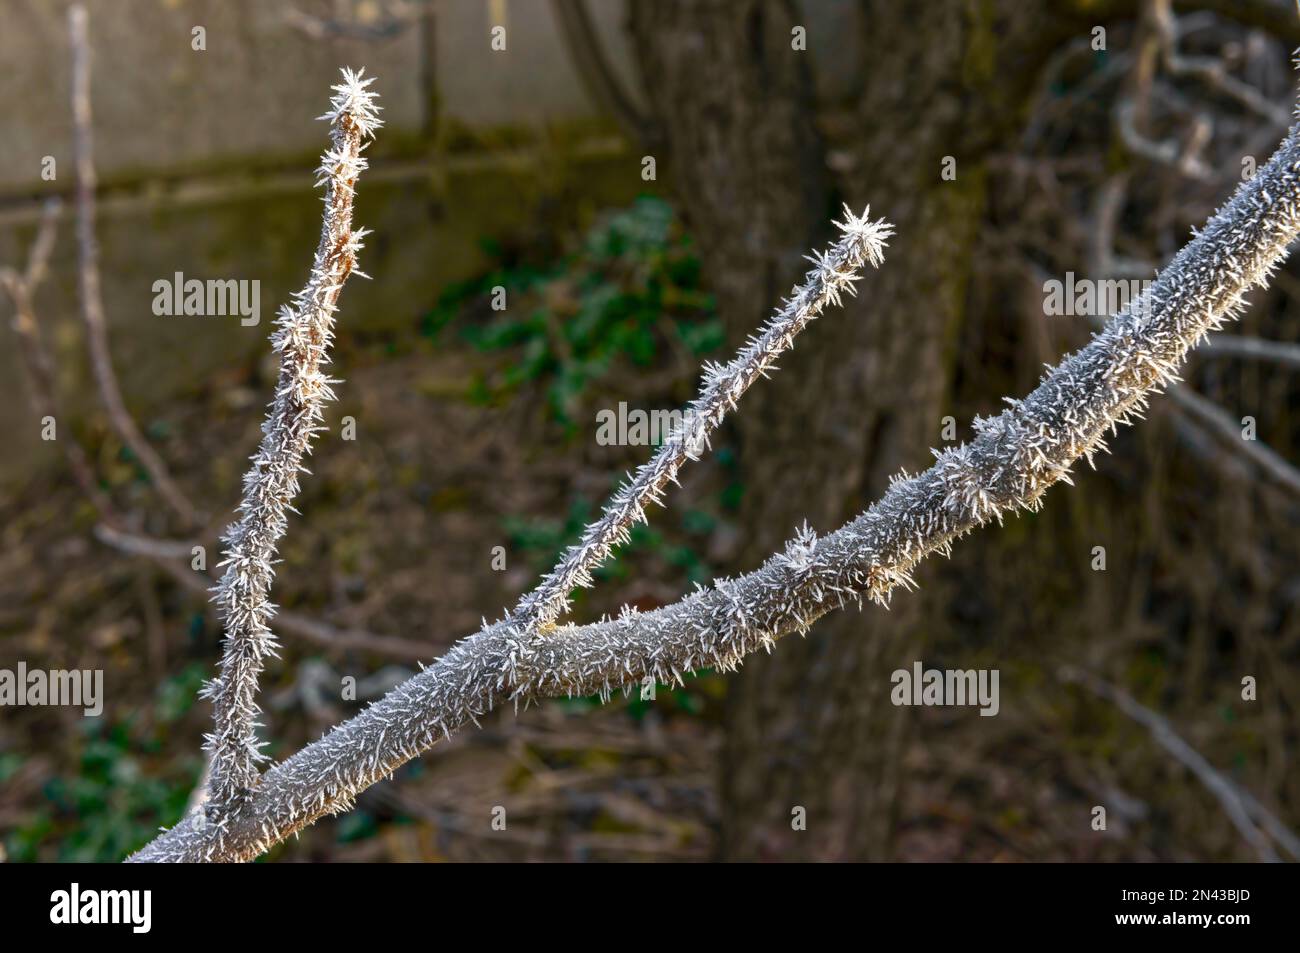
[255,90]
[205,159]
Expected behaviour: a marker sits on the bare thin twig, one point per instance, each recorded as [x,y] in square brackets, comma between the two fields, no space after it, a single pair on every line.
[1255,349]
[35,358]
[1184,158]
[168,554]
[296,623]
[1228,433]
[1229,794]
[1208,69]
[92,304]
[597,75]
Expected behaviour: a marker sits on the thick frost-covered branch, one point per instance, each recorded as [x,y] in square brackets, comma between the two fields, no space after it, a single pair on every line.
[302,338]
[1008,466]
[834,271]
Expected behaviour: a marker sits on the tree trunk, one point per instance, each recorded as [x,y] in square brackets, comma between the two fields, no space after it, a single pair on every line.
[810,727]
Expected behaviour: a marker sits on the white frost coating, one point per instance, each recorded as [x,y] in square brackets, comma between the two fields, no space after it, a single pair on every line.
[304,332]
[1006,467]
[834,271]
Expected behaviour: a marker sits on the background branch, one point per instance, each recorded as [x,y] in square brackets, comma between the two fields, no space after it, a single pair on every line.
[597,76]
[1227,431]
[1255,349]
[92,304]
[1229,794]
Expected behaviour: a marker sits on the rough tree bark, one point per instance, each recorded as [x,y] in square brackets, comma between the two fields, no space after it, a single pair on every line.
[813,728]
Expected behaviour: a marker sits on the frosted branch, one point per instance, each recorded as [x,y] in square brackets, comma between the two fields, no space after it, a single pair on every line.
[833,273]
[1007,467]
[304,332]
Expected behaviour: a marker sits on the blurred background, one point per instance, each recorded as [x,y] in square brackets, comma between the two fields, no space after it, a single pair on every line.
[1012,142]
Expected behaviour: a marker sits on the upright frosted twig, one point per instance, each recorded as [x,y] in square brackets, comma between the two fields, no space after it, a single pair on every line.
[302,338]
[834,271]
[92,302]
